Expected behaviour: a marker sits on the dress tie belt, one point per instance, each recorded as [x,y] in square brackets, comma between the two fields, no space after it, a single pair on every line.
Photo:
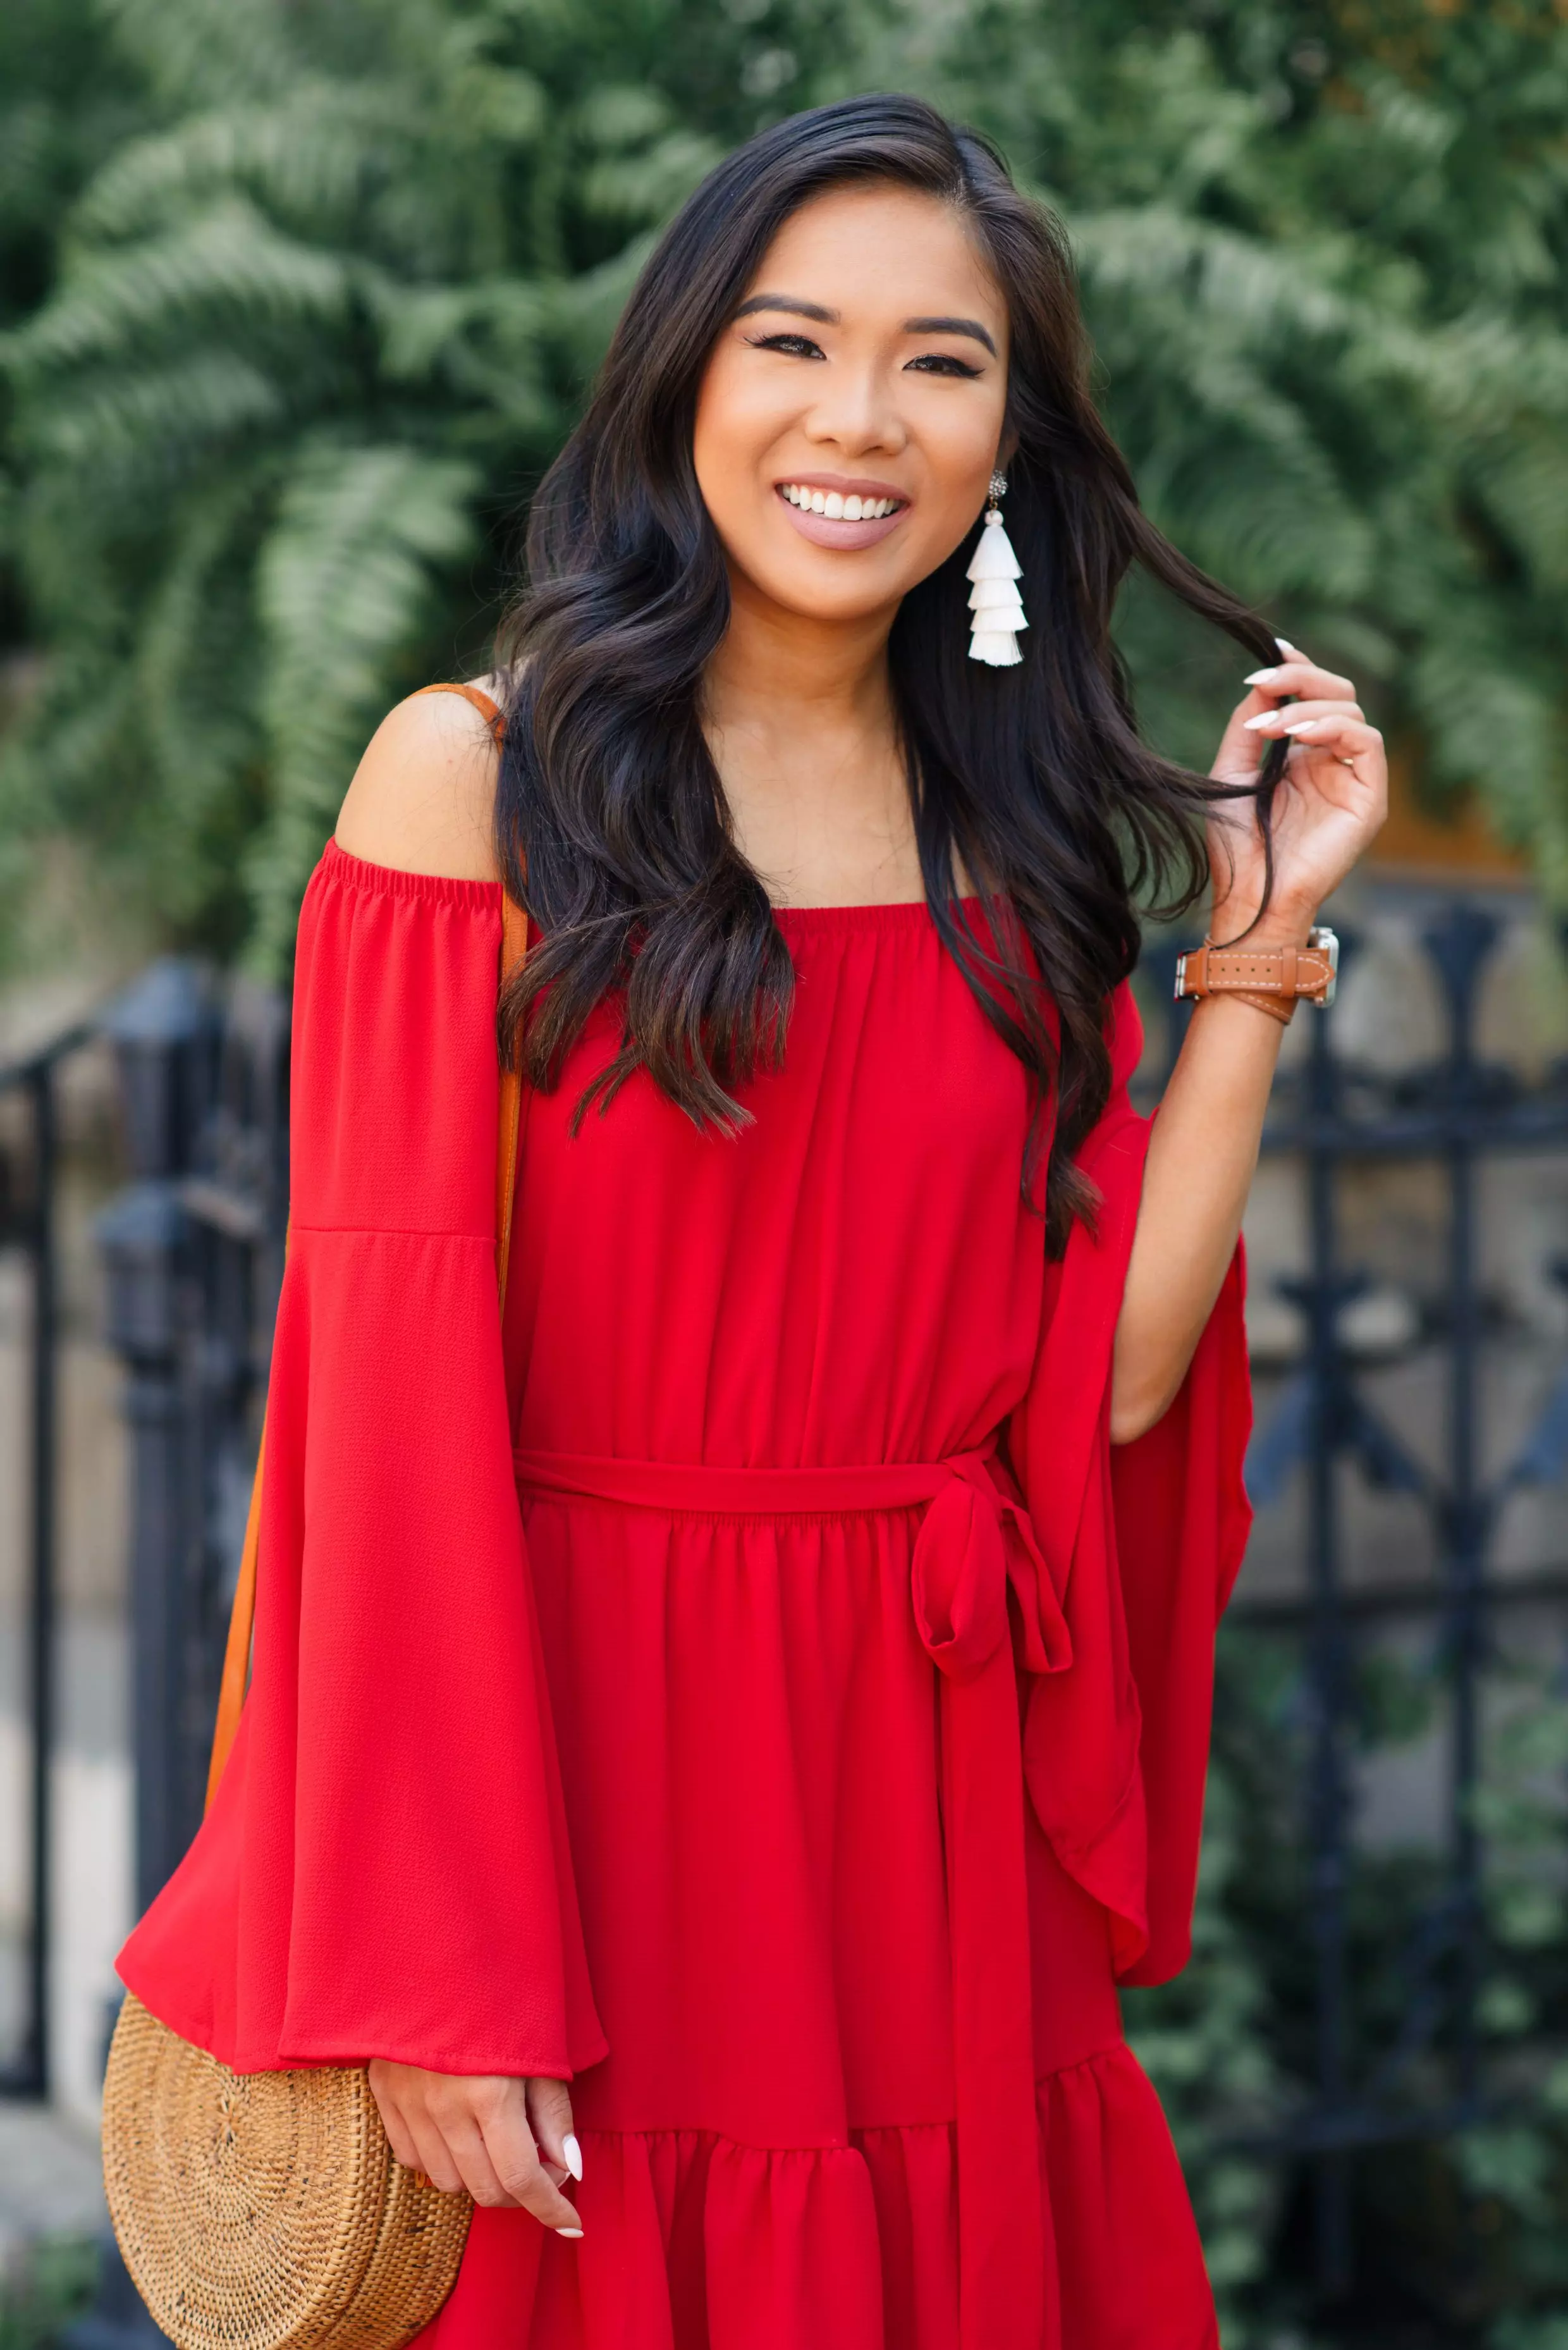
[974,1545]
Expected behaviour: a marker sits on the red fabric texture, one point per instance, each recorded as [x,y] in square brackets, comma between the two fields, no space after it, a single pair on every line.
[742,1678]
[390,1818]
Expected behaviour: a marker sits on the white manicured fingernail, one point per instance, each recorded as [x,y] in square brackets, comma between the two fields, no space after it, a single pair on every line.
[574,2154]
[1263,718]
[569,2231]
[1261,677]
[1284,646]
[1303,726]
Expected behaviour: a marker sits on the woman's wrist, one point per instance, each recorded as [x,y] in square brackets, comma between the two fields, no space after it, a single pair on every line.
[1285,923]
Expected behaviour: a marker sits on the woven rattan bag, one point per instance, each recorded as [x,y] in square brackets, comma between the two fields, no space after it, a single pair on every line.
[263,2210]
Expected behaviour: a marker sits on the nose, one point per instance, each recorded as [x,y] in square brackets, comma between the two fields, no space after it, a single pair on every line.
[857,411]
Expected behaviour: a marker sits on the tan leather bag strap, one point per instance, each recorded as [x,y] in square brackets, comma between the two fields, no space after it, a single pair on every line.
[494,717]
[242,1620]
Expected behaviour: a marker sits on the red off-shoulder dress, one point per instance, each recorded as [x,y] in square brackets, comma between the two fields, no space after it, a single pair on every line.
[741,1677]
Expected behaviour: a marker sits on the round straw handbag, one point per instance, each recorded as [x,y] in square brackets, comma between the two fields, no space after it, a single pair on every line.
[262,2210]
[265,2210]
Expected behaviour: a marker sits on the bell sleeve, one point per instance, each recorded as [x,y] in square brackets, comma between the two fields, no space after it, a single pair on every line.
[384,1870]
[1143,1542]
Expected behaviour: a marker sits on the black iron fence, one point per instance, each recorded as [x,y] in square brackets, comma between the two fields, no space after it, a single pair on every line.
[29,1185]
[193,1257]
[1452,1113]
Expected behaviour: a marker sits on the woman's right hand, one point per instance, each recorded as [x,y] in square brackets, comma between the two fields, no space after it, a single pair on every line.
[509,2142]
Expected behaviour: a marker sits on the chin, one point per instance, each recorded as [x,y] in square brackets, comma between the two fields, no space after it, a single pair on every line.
[840,610]
[832,593]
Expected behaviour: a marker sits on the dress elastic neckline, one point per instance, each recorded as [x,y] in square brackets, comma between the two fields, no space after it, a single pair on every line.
[399,881]
[827,918]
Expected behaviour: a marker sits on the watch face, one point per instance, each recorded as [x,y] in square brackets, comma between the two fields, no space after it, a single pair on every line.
[1327,942]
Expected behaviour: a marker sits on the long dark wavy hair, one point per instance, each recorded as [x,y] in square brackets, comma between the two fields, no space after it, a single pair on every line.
[612,828]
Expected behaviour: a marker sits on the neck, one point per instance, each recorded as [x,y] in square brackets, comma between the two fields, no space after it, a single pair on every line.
[795,671]
[798,713]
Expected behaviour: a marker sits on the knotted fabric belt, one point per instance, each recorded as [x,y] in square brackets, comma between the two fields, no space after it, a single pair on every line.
[975,1543]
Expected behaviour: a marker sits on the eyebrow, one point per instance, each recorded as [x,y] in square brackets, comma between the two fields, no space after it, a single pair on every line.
[971,326]
[791,302]
[800,309]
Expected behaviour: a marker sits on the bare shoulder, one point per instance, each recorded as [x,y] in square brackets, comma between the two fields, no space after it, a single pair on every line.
[423,796]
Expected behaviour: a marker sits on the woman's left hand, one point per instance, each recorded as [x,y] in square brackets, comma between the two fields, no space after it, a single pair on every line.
[1204,1145]
[1330,805]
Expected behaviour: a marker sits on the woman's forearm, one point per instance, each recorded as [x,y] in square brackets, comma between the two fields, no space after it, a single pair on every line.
[1328,806]
[1202,1153]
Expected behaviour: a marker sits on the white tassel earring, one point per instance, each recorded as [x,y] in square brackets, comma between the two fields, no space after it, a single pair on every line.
[994,603]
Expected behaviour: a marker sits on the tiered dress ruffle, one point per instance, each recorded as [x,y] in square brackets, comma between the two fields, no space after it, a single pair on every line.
[744,1678]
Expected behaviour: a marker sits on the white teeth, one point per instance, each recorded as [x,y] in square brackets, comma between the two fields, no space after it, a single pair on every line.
[835,506]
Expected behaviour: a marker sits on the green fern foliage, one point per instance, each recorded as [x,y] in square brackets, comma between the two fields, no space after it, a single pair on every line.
[326,279]
[319,320]
[344,578]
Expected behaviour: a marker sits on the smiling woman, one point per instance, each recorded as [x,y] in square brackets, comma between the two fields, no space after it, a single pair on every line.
[924,392]
[928,391]
[762,1678]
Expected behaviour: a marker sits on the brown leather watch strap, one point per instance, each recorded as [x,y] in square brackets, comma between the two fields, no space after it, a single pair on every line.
[1273,979]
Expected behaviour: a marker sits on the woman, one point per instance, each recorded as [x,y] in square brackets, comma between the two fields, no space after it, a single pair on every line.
[727,1858]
